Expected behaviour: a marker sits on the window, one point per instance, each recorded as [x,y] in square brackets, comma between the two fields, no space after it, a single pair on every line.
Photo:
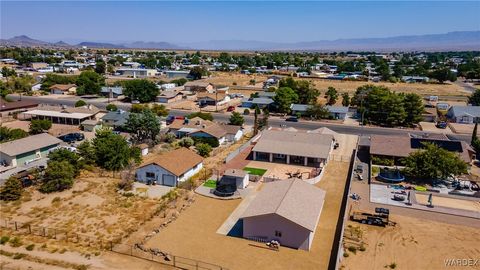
[150,174]
[278,233]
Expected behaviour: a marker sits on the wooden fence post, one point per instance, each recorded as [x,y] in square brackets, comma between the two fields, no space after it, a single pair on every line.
[44,232]
[29,229]
[111,246]
[16,228]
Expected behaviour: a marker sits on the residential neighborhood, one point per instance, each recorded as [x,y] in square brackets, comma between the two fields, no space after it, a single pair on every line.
[251,142]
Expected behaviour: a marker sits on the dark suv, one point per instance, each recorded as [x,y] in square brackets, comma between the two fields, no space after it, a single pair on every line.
[71,137]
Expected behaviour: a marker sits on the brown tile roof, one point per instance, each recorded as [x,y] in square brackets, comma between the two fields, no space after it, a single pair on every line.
[215,130]
[231,129]
[214,96]
[292,199]
[62,87]
[18,104]
[177,161]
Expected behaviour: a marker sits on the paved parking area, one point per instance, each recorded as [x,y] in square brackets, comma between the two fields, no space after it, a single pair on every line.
[153,192]
[430,127]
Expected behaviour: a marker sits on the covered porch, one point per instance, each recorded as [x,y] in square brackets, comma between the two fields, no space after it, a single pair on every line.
[288,159]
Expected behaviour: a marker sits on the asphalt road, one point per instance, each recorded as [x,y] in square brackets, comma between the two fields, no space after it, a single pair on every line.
[273,121]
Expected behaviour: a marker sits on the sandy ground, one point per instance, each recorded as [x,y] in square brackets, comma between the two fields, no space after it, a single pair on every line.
[449,202]
[430,127]
[278,170]
[92,207]
[193,233]
[413,244]
[225,78]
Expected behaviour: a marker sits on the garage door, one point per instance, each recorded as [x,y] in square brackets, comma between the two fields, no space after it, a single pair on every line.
[168,180]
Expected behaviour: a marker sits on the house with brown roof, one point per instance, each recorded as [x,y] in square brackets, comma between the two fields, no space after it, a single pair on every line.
[198,127]
[169,96]
[287,211]
[293,147]
[396,148]
[170,168]
[15,106]
[63,89]
[212,99]
[199,86]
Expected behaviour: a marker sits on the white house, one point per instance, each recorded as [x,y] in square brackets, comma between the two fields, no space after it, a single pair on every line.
[171,168]
[464,114]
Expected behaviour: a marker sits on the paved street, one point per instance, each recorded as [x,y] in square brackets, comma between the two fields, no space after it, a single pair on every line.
[273,121]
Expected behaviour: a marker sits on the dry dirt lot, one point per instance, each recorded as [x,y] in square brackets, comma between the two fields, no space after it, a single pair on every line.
[413,244]
[225,78]
[193,233]
[92,207]
[449,202]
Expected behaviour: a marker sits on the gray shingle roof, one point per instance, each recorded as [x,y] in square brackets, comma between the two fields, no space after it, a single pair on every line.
[337,109]
[28,144]
[292,199]
[462,110]
[263,101]
[312,145]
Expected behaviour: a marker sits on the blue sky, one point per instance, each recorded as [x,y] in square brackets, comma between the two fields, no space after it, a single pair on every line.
[182,21]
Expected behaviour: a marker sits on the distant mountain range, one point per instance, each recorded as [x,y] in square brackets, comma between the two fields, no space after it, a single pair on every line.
[454,41]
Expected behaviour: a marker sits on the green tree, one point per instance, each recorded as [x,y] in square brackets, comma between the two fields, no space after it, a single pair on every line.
[443,74]
[186,142]
[414,108]
[111,107]
[284,98]
[433,163]
[160,110]
[345,99]
[63,154]
[197,72]
[307,94]
[474,99]
[331,95]
[100,67]
[474,133]
[59,176]
[111,150]
[143,127]
[89,83]
[203,115]
[80,103]
[236,119]
[204,149]
[180,81]
[318,111]
[38,126]
[11,190]
[86,151]
[8,134]
[141,90]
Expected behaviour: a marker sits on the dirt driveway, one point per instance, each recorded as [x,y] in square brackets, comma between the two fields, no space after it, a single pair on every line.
[194,235]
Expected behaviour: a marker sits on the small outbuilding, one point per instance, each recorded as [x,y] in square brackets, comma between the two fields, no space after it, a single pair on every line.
[236,177]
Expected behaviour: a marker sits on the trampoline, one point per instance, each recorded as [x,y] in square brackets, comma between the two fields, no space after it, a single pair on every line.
[226,187]
[391,175]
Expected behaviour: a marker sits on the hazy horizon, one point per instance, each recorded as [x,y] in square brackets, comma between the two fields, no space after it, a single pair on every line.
[185,22]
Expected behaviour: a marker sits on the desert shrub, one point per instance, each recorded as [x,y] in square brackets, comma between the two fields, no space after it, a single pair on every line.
[246,112]
[169,137]
[362,248]
[382,161]
[186,142]
[352,249]
[16,242]
[345,254]
[213,142]
[18,256]
[4,239]
[30,247]
[204,149]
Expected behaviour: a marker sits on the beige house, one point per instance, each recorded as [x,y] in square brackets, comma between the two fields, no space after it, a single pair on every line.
[63,89]
[287,211]
[294,147]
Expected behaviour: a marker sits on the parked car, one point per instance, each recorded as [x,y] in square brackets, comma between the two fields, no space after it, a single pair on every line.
[442,125]
[135,102]
[292,119]
[72,137]
[231,108]
[170,119]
